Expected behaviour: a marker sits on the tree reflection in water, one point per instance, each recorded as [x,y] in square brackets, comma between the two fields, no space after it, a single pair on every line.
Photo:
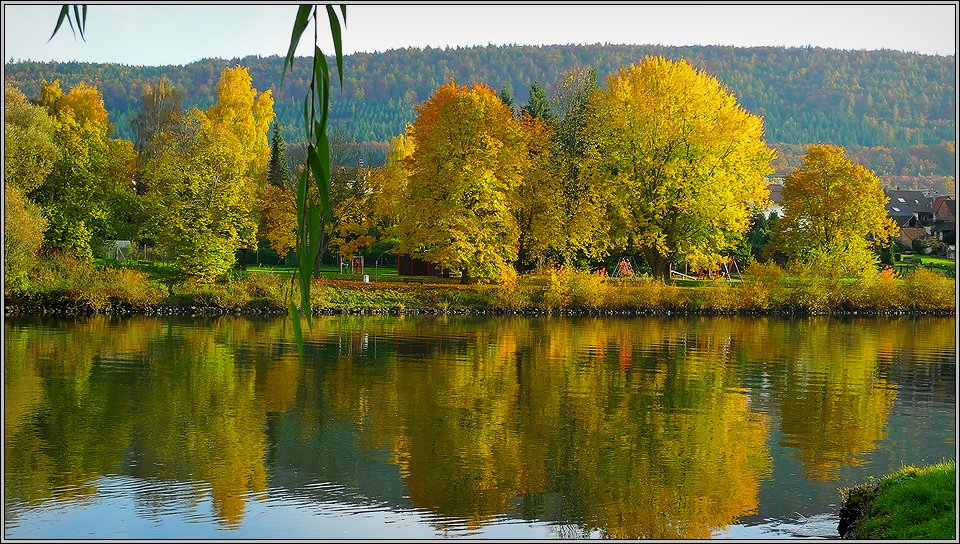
[653,428]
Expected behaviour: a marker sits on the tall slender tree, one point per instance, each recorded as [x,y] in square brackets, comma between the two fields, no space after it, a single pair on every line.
[278,173]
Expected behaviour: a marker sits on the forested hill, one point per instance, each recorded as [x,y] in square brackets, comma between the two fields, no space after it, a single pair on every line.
[863,99]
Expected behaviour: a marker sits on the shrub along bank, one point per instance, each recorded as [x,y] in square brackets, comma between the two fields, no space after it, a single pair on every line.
[64,285]
[910,504]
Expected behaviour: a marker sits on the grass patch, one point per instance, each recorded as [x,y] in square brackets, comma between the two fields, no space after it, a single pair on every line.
[912,503]
[764,287]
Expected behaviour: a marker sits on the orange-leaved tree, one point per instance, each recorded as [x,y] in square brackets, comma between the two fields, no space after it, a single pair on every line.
[469,156]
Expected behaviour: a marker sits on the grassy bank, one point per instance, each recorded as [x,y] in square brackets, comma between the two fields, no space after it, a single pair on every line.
[97,288]
[910,504]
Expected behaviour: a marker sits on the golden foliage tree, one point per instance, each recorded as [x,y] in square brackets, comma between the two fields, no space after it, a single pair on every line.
[205,182]
[23,227]
[201,210]
[536,201]
[681,159]
[278,218]
[468,159]
[833,211]
[246,116]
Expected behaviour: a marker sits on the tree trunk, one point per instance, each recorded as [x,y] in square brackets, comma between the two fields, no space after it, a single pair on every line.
[316,265]
[658,264]
[464,276]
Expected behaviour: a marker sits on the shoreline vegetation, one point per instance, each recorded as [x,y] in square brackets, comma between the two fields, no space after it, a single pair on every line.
[909,504]
[65,286]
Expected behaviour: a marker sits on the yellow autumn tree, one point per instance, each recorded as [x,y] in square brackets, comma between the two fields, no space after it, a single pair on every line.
[468,159]
[833,212]
[246,116]
[682,160]
[536,202]
[204,191]
[278,218]
[389,181]
[368,212]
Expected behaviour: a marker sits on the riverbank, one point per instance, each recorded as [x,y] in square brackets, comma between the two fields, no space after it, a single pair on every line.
[910,504]
[77,289]
[132,293]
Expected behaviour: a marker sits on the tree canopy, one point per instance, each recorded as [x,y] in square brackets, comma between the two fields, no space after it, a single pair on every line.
[468,158]
[679,161]
[833,211]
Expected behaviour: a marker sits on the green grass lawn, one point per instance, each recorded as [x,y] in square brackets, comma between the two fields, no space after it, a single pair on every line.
[912,504]
[937,260]
[327,271]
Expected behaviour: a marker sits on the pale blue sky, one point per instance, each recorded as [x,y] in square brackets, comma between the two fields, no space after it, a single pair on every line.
[156,34]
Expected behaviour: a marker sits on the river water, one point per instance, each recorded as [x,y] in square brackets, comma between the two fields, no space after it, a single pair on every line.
[490,427]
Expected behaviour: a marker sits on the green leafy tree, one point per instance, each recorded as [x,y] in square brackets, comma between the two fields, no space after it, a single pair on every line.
[682,161]
[201,214]
[278,174]
[30,150]
[507,97]
[581,209]
[756,239]
[92,181]
[539,105]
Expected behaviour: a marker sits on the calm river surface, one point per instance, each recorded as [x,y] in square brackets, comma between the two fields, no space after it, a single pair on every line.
[493,427]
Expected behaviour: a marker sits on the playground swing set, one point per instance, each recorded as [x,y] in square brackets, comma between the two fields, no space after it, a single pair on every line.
[626,269]
[727,270]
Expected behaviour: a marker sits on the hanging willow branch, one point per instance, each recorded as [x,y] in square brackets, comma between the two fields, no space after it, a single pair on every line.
[312,215]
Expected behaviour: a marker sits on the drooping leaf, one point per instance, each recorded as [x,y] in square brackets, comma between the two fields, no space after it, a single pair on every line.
[337,42]
[314,232]
[299,25]
[322,74]
[64,11]
[306,116]
[80,21]
[343,10]
[70,22]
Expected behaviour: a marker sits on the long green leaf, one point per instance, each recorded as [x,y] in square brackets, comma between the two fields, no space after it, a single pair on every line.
[304,265]
[70,22]
[307,127]
[337,41]
[322,73]
[323,154]
[306,271]
[314,232]
[299,25]
[343,10]
[85,17]
[76,15]
[63,13]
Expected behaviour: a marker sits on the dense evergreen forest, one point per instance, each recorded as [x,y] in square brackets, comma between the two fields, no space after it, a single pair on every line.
[893,111]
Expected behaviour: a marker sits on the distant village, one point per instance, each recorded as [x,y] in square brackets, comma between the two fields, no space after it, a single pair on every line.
[927,223]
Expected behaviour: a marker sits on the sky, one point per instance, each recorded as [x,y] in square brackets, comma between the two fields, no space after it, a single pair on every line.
[156,34]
